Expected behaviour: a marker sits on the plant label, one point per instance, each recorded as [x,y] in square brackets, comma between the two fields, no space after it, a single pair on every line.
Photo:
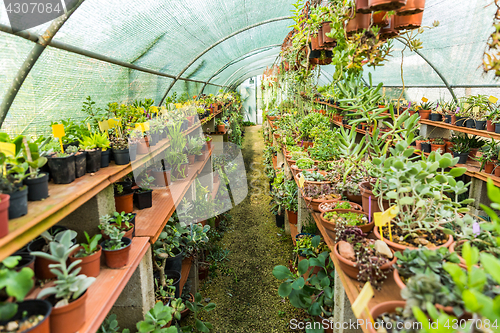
[9,149]
[493,99]
[104,126]
[58,131]
[361,303]
[145,126]
[88,126]
[475,110]
[113,122]
[302,180]
[139,127]
[153,109]
[425,100]
[466,106]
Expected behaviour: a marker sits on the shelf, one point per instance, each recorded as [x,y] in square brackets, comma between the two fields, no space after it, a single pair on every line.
[64,199]
[473,131]
[151,221]
[108,286]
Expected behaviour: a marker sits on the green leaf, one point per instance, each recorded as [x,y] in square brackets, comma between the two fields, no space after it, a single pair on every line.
[457,172]
[406,200]
[298,284]
[491,265]
[200,326]
[7,310]
[470,255]
[303,266]
[281,272]
[210,306]
[285,289]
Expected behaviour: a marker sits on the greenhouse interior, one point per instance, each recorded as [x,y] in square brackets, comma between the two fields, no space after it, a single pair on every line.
[249,166]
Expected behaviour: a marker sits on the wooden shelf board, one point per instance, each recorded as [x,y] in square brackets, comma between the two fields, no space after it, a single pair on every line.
[474,131]
[64,199]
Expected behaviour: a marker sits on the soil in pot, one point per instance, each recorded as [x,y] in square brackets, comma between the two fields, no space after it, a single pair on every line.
[280,220]
[62,169]
[18,203]
[32,316]
[38,188]
[176,276]
[93,160]
[124,203]
[143,199]
[353,218]
[105,158]
[117,258]
[68,318]
[80,164]
[121,156]
[90,265]
[429,239]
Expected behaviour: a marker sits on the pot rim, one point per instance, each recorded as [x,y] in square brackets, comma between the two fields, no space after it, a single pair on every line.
[123,240]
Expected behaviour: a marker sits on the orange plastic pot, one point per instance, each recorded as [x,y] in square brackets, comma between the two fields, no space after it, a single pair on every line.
[117,258]
[90,265]
[221,128]
[363,7]
[359,23]
[387,5]
[292,217]
[4,214]
[424,114]
[385,307]
[68,318]
[326,29]
[409,22]
[124,203]
[400,248]
[411,7]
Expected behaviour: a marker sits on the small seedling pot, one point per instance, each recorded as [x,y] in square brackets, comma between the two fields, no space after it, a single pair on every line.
[280,220]
[90,265]
[62,169]
[481,125]
[121,156]
[30,308]
[18,203]
[124,203]
[80,164]
[144,199]
[174,263]
[292,217]
[105,158]
[38,188]
[69,318]
[117,258]
[94,160]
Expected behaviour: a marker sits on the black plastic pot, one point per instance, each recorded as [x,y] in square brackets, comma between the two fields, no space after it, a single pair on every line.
[280,220]
[121,156]
[497,128]
[33,307]
[481,125]
[127,187]
[174,263]
[62,169]
[132,149]
[436,117]
[176,276]
[470,123]
[80,164]
[460,121]
[93,160]
[462,157]
[105,157]
[27,260]
[143,200]
[18,203]
[447,119]
[38,188]
[426,147]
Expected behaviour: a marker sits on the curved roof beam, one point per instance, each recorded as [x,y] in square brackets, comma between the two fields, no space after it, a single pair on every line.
[217,43]
[238,59]
[31,59]
[244,67]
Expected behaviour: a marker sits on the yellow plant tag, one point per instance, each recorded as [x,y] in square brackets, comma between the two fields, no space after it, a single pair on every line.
[439,109]
[58,131]
[377,218]
[88,126]
[302,180]
[493,99]
[425,100]
[139,127]
[361,303]
[114,122]
[104,126]
[475,110]
[145,126]
[466,106]
[9,149]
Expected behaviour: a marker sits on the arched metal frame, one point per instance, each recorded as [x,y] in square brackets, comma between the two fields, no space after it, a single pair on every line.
[217,43]
[238,59]
[31,59]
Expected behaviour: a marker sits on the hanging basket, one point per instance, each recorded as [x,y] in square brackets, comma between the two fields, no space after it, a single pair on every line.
[326,29]
[358,23]
[408,22]
[389,30]
[380,19]
[363,7]
[387,5]
[412,7]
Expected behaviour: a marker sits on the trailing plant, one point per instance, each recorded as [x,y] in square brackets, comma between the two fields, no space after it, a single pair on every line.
[304,163]
[310,246]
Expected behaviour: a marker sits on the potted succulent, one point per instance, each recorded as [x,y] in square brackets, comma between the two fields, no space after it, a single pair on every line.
[426,146]
[117,248]
[349,217]
[91,145]
[278,198]
[121,152]
[438,144]
[194,148]
[474,143]
[25,315]
[143,196]
[68,295]
[430,203]
[124,199]
[123,221]
[12,174]
[37,182]
[329,206]
[460,149]
[303,164]
[315,195]
[168,252]
[425,110]
[221,127]
[290,199]
[89,255]
[80,160]
[157,320]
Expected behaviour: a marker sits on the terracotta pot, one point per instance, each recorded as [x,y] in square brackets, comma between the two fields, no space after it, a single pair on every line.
[389,30]
[296,171]
[441,148]
[408,22]
[397,279]
[124,203]
[326,29]
[424,114]
[497,170]
[419,144]
[385,307]
[359,23]
[314,203]
[4,214]
[362,6]
[400,248]
[129,233]
[411,7]
[367,196]
[191,159]
[380,19]
[69,318]
[350,268]
[91,265]
[354,206]
[117,258]
[185,312]
[42,269]
[473,152]
[314,43]
[221,128]
[490,127]
[387,5]
[292,217]
[29,308]
[209,145]
[488,167]
[331,225]
[354,198]
[315,182]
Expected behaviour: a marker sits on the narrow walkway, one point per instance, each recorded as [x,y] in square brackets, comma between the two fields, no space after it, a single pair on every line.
[245,291]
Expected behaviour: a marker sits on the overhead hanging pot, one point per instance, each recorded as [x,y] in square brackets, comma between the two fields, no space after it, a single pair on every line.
[380,19]
[387,5]
[326,29]
[389,30]
[408,21]
[363,7]
[358,23]
[412,7]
